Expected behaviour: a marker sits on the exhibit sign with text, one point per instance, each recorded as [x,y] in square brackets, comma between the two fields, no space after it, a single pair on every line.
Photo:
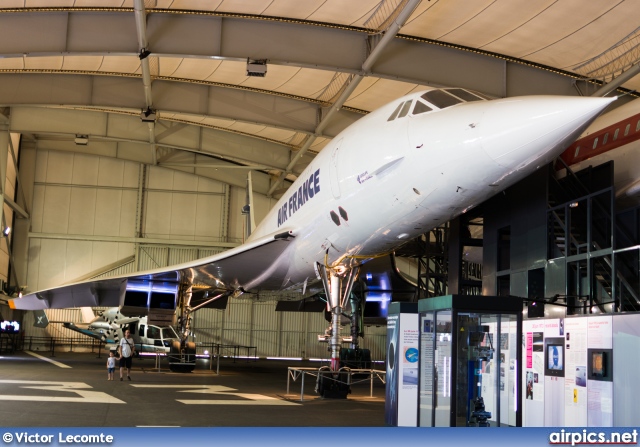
[408,370]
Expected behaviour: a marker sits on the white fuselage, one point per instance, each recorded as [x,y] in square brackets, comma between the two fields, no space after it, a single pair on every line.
[618,139]
[380,182]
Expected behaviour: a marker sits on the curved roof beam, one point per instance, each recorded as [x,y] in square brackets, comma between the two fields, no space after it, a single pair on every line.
[207,152]
[143,54]
[214,36]
[169,97]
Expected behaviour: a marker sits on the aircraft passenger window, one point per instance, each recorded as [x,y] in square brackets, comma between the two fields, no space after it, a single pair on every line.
[141,330]
[595,143]
[615,135]
[421,107]
[395,112]
[441,99]
[626,130]
[153,332]
[405,109]
[606,137]
[638,126]
[463,94]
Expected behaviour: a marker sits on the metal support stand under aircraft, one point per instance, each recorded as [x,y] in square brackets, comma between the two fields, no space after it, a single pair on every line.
[182,355]
[338,284]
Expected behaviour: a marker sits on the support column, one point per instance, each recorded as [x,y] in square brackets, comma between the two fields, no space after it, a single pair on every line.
[4,154]
[142,175]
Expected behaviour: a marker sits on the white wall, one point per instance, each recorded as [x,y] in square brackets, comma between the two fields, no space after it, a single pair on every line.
[84,211]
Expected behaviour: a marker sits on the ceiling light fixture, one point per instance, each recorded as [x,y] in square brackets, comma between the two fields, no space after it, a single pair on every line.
[257,68]
[148,116]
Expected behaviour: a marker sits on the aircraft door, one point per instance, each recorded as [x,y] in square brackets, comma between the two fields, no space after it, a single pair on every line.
[334,179]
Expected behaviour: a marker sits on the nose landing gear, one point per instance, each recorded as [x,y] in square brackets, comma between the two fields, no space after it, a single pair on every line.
[333,381]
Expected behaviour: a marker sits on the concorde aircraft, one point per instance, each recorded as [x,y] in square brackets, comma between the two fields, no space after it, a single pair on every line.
[405,168]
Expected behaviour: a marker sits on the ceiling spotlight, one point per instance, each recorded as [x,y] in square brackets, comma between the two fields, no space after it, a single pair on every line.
[257,68]
[82,140]
[148,116]
[6,231]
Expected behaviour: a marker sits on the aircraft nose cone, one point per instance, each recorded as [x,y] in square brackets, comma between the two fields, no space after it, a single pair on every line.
[521,130]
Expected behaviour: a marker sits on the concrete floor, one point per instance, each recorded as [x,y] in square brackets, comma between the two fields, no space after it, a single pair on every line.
[74,392]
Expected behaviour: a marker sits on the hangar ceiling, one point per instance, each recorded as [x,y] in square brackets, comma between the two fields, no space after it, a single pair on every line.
[164,82]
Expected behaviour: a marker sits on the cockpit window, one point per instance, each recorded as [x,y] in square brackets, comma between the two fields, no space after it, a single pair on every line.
[421,107]
[395,112]
[464,95]
[405,109]
[169,333]
[441,99]
[153,332]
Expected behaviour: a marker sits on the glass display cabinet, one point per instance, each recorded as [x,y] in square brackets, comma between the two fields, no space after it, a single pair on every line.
[469,370]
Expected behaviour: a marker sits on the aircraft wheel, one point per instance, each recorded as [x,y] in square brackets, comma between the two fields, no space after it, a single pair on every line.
[182,360]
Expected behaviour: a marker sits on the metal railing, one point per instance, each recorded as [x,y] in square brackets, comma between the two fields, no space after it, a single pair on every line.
[293,373]
[19,342]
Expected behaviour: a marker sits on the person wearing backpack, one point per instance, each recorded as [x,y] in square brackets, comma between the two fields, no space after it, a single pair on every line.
[127,350]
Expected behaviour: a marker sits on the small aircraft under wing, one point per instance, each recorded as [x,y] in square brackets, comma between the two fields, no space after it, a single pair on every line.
[109,325]
[405,168]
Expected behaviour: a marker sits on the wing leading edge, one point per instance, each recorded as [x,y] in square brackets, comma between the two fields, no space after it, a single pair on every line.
[261,264]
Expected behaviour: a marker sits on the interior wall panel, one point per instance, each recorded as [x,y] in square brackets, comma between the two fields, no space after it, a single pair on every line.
[240,319]
[85,169]
[207,222]
[292,338]
[108,210]
[79,258]
[128,213]
[82,211]
[50,267]
[237,199]
[208,325]
[181,255]
[156,224]
[59,168]
[152,257]
[55,211]
[183,213]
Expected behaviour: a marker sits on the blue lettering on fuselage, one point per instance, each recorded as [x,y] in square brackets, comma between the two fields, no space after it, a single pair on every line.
[298,198]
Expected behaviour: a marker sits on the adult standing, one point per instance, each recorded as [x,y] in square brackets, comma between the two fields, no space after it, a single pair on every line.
[127,349]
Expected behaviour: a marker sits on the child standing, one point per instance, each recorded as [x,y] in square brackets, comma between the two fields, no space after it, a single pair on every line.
[111,365]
